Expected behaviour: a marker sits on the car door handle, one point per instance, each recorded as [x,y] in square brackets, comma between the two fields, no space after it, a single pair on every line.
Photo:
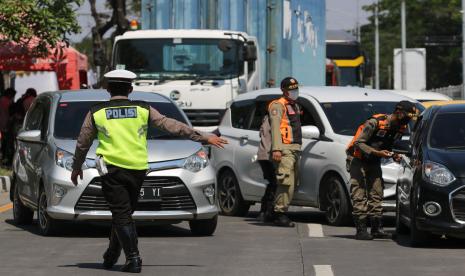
[245,137]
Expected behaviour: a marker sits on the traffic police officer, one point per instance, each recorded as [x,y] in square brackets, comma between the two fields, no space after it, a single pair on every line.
[121,128]
[286,141]
[373,141]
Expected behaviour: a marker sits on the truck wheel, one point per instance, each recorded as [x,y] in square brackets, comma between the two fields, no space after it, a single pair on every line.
[230,197]
[22,215]
[337,204]
[47,225]
[203,227]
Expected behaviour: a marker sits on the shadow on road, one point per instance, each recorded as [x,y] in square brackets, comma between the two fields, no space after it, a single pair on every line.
[101,229]
[98,266]
[435,242]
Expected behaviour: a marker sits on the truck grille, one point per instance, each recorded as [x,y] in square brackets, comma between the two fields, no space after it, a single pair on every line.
[175,196]
[458,205]
[204,117]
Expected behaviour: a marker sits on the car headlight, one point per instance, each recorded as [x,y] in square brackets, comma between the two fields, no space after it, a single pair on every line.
[386,161]
[196,161]
[64,159]
[437,174]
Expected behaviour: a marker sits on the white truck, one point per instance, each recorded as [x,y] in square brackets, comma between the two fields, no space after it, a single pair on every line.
[201,70]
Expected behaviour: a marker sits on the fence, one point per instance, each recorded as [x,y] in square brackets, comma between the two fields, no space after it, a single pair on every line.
[455,92]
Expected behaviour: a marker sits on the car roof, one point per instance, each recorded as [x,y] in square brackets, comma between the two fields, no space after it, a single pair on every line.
[422,95]
[440,103]
[452,108]
[329,94]
[86,95]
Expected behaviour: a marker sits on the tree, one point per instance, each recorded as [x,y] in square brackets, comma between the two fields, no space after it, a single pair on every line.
[118,19]
[38,24]
[431,24]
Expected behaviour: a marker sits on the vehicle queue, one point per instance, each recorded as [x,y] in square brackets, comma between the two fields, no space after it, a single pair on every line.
[327,120]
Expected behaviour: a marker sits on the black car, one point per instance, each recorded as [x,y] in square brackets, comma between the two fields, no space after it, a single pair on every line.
[431,186]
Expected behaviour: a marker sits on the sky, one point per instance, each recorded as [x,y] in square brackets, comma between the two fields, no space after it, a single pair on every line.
[340,14]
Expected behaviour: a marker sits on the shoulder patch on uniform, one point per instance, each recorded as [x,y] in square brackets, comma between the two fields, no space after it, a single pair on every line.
[274,112]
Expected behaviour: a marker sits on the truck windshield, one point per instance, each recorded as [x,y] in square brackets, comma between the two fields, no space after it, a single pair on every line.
[177,58]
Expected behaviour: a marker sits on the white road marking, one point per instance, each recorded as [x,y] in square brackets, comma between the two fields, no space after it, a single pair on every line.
[323,270]
[315,230]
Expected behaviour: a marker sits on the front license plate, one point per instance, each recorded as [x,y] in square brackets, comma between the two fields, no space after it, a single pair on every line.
[150,194]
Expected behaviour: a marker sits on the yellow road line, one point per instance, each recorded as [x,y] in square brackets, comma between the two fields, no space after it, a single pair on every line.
[6,207]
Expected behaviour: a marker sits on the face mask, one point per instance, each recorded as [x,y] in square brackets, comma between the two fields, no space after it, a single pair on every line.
[294,94]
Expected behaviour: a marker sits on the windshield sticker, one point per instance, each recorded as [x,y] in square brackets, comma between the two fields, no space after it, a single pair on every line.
[120,66]
[177,40]
[327,105]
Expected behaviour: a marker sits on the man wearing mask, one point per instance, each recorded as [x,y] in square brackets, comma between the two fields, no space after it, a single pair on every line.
[372,142]
[286,142]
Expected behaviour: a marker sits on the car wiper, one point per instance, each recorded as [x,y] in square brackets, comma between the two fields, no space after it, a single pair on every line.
[206,79]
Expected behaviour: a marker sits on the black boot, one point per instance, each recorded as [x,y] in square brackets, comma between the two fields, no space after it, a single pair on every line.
[361,227]
[113,252]
[127,237]
[283,221]
[377,230]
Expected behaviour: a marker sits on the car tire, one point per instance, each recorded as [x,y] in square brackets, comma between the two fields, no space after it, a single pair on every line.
[230,197]
[47,225]
[22,215]
[418,238]
[203,227]
[401,228]
[338,209]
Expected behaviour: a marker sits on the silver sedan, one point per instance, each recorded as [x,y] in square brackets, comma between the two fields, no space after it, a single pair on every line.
[179,186]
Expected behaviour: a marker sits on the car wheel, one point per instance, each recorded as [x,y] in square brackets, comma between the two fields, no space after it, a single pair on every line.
[401,228]
[230,197]
[418,238]
[47,225]
[22,215]
[337,209]
[203,227]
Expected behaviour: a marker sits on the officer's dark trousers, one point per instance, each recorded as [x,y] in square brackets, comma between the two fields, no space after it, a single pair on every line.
[121,188]
[269,174]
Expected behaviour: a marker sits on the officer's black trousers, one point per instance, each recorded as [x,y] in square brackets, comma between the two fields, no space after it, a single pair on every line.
[121,188]
[269,173]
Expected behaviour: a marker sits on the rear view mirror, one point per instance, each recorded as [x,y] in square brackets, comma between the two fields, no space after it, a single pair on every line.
[310,132]
[250,51]
[402,147]
[30,136]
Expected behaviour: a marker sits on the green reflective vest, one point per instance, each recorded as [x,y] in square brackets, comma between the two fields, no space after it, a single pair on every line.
[122,133]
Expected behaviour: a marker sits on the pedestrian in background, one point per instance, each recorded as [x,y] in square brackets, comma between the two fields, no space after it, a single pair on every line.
[28,99]
[6,101]
[121,128]
[372,142]
[286,143]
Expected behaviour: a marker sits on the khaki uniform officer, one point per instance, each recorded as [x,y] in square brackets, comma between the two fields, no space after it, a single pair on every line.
[286,142]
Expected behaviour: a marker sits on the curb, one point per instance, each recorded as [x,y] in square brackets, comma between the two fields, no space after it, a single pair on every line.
[5,183]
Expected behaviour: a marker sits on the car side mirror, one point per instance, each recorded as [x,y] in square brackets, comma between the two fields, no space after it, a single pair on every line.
[30,136]
[402,147]
[310,132]
[250,51]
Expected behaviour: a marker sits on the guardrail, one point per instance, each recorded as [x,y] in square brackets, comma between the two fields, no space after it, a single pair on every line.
[453,91]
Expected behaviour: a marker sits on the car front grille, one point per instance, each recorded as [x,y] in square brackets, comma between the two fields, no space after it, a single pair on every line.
[175,196]
[458,205]
[204,117]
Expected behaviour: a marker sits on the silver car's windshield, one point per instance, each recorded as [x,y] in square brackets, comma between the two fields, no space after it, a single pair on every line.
[169,59]
[70,116]
[346,117]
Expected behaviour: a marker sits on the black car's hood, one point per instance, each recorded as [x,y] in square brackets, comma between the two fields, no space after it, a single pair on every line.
[454,160]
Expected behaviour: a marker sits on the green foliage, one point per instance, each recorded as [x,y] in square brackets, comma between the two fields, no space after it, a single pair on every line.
[41,23]
[431,24]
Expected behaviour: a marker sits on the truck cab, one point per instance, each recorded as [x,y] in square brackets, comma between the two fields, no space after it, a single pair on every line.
[200,70]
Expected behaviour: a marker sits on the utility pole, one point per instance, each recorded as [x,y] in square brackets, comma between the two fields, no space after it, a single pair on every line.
[463,49]
[377,46]
[404,46]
